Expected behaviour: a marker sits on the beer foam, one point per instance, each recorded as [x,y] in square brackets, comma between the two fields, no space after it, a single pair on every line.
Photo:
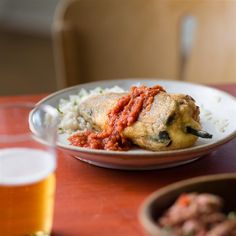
[20,166]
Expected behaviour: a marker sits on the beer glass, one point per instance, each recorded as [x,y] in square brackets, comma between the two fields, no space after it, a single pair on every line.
[27,166]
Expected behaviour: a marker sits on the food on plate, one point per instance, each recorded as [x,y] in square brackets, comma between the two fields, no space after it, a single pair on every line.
[148,117]
[68,108]
[197,215]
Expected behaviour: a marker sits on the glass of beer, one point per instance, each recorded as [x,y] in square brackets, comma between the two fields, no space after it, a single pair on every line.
[27,166]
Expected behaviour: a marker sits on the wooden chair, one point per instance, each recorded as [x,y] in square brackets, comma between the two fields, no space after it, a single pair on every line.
[192,40]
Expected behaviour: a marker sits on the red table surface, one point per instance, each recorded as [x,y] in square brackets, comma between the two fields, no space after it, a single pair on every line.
[97,201]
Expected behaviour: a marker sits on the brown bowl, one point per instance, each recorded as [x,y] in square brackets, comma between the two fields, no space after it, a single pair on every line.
[223,185]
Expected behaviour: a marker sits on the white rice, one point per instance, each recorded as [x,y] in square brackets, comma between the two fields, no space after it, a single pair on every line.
[220,124]
[70,119]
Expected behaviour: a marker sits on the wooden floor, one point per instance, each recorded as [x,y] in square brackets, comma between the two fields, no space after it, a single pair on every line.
[26,64]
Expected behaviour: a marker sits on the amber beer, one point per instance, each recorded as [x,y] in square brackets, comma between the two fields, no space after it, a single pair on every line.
[27,185]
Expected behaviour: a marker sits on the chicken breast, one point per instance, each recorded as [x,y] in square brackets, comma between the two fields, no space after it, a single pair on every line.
[163,127]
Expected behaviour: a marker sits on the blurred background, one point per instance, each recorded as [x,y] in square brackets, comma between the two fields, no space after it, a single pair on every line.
[190,40]
[26,58]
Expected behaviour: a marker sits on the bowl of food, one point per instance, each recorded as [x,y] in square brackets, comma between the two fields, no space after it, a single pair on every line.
[199,206]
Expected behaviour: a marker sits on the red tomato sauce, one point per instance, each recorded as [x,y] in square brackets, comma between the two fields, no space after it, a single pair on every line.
[124,114]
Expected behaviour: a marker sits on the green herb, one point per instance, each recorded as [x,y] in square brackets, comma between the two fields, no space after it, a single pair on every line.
[232,215]
[58,109]
[61,130]
[190,234]
[167,229]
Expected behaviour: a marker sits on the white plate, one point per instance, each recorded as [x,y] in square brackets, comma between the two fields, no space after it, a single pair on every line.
[218,113]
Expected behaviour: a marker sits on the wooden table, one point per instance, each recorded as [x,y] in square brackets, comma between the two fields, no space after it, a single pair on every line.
[96,201]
